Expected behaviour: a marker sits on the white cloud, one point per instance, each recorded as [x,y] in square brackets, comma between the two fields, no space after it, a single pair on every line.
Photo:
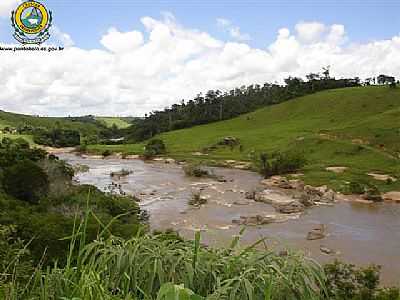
[62,37]
[6,6]
[310,31]
[234,31]
[118,42]
[337,34]
[139,71]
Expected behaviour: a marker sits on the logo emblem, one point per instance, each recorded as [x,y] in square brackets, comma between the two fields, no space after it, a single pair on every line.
[31,21]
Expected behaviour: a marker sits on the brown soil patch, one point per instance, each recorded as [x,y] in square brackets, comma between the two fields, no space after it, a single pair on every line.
[392,196]
[382,177]
[337,169]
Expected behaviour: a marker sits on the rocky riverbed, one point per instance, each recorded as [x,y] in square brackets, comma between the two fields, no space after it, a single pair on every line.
[286,213]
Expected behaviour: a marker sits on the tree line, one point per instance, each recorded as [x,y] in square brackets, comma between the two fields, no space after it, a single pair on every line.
[216,106]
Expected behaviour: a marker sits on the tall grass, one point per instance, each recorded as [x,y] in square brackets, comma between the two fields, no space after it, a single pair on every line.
[161,267]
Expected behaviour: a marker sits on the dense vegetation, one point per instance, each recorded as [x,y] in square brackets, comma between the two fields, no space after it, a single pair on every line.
[216,106]
[57,137]
[40,203]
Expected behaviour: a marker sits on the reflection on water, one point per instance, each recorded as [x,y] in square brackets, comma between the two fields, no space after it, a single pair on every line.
[359,233]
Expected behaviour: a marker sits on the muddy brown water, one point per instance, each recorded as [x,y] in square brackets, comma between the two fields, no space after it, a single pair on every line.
[357,232]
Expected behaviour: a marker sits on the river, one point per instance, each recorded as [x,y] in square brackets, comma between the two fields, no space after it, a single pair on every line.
[359,233]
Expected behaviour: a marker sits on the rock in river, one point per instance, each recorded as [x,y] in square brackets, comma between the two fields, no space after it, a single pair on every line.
[292,207]
[317,233]
[260,220]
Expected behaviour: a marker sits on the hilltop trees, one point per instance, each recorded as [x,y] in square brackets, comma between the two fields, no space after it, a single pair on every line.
[384,79]
[215,105]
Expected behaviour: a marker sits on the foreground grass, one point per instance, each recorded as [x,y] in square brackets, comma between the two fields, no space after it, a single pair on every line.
[358,128]
[162,266]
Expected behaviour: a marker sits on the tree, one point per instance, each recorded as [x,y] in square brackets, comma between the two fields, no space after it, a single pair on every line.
[26,181]
[326,72]
[385,79]
[154,147]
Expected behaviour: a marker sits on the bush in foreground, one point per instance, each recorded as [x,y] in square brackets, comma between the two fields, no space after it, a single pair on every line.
[26,181]
[346,282]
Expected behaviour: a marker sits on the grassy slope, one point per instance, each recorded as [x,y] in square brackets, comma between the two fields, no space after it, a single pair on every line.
[110,121]
[327,126]
[14,120]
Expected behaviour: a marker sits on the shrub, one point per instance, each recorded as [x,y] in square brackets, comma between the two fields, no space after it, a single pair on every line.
[346,282]
[26,181]
[106,153]
[195,170]
[154,147]
[372,193]
[281,163]
[356,188]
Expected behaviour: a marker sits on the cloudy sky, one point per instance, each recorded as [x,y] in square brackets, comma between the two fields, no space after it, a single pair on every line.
[128,57]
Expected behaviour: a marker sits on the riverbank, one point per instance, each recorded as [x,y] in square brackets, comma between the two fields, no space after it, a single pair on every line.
[357,232]
[390,193]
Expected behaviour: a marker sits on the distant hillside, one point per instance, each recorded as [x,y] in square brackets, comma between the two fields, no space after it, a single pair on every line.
[24,125]
[121,123]
[358,128]
[83,124]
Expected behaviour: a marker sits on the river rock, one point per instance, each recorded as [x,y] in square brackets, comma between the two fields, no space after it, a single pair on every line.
[250,195]
[131,157]
[317,233]
[296,184]
[328,197]
[306,200]
[284,183]
[159,159]
[242,166]
[241,202]
[290,208]
[259,220]
[313,191]
[278,181]
[272,197]
[169,161]
[321,194]
[326,250]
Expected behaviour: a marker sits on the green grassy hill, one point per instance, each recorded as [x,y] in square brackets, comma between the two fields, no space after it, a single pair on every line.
[358,128]
[84,125]
[14,120]
[110,121]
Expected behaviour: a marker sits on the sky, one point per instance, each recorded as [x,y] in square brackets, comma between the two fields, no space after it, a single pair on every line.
[131,57]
